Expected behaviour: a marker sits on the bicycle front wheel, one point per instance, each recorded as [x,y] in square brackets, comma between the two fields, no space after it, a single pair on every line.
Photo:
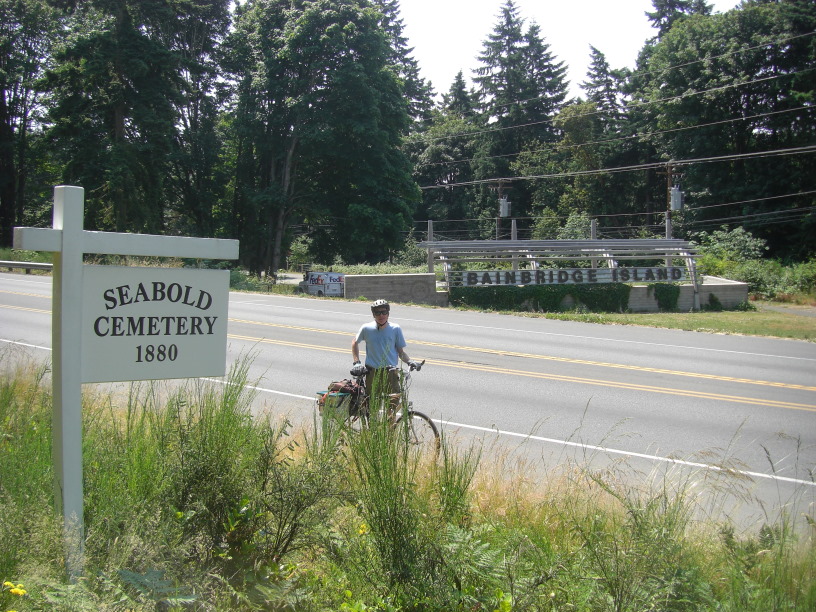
[421,429]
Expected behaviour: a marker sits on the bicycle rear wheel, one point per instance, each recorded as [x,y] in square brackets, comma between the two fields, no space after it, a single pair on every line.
[421,429]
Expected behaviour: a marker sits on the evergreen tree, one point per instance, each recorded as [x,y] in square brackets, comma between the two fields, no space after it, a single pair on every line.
[195,185]
[603,89]
[459,101]
[320,117]
[112,89]
[27,29]
[521,88]
[667,12]
[417,90]
[442,155]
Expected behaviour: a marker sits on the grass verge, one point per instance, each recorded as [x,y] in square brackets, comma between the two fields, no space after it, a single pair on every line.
[194,503]
[761,322]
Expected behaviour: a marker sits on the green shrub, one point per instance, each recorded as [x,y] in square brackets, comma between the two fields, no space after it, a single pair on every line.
[763,276]
[32,256]
[299,252]
[666,294]
[411,255]
[736,244]
[241,280]
[381,268]
[799,278]
[611,297]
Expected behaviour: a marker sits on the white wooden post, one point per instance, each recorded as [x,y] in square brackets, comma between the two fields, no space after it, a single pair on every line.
[66,376]
[69,242]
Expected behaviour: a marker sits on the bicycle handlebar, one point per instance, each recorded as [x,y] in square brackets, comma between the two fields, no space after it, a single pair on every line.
[362,369]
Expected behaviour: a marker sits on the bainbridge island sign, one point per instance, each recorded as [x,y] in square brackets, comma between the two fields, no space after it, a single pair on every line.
[568,276]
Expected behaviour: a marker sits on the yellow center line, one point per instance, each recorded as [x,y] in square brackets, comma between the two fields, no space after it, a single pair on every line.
[25,309]
[504,353]
[38,295]
[561,378]
[601,364]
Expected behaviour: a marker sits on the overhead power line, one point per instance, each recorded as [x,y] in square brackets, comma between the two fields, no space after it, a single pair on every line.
[638,136]
[649,166]
[630,105]
[709,58]
[801,212]
[778,197]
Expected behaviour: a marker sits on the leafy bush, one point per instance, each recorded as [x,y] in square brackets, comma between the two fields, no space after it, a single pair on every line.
[299,252]
[611,297]
[763,276]
[241,280]
[799,278]
[411,254]
[734,245]
[578,226]
[381,268]
[32,256]
[667,295]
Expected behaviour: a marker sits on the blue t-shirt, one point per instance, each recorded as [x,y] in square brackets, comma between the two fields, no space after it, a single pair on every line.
[381,344]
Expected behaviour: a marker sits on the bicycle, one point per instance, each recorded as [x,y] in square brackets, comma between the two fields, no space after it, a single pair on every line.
[419,427]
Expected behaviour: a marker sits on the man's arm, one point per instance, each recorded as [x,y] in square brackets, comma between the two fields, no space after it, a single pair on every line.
[355,351]
[403,355]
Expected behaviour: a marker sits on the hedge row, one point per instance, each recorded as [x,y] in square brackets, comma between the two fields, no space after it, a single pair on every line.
[611,297]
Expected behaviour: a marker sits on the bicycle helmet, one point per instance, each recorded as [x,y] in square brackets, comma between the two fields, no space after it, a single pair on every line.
[381,304]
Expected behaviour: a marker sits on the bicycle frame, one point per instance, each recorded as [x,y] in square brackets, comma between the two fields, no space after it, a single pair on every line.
[358,409]
[399,401]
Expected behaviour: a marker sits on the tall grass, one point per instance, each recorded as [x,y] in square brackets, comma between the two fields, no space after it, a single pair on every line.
[196,500]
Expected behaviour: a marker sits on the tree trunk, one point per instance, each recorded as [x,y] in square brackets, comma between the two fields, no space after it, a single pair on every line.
[8,175]
[283,212]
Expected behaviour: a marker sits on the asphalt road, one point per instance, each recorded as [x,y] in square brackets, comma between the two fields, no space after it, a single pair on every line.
[640,399]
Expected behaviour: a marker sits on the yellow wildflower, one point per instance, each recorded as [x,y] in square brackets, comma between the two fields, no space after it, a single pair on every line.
[17,591]
[8,584]
[363,529]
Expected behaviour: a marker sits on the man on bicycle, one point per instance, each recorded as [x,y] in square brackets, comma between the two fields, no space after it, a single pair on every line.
[385,346]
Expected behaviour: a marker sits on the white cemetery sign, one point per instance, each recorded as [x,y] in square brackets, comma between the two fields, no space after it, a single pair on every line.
[113,323]
[148,323]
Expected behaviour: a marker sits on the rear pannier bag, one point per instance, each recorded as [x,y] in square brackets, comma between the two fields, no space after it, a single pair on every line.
[344,392]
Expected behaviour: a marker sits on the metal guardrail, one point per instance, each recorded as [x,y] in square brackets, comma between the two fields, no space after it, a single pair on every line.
[28,266]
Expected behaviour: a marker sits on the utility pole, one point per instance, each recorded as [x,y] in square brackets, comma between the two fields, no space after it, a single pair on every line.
[504,206]
[670,176]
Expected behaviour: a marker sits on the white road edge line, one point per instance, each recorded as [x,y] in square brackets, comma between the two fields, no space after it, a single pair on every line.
[614,451]
[513,434]
[605,449]
[36,346]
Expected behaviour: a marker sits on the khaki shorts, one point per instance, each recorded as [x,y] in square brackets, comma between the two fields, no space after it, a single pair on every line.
[377,378]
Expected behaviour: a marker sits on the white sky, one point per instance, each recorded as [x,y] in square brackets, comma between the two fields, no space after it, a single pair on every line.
[448,35]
